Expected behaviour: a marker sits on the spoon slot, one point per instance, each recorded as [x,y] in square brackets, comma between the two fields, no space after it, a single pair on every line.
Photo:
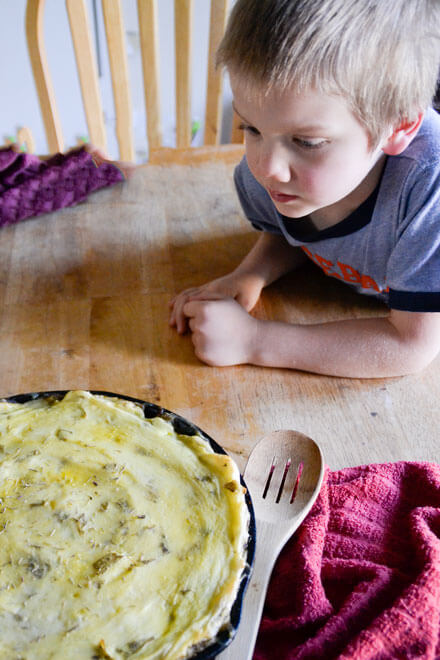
[269,478]
[298,476]
[283,480]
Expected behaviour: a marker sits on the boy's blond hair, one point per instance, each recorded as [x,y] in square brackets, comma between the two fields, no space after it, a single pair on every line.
[381,56]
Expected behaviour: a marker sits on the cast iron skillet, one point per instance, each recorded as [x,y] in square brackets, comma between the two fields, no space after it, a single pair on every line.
[183,427]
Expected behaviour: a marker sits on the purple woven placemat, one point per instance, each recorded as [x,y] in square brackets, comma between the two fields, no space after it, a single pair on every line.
[30,186]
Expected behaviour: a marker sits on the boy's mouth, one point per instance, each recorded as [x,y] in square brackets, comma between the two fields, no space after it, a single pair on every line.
[281,197]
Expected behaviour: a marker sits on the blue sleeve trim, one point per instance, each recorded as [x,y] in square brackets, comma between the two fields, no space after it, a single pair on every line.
[410,301]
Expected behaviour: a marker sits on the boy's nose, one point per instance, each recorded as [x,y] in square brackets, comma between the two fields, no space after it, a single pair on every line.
[273,164]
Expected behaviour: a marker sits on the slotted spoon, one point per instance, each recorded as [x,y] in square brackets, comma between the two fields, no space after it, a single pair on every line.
[284,475]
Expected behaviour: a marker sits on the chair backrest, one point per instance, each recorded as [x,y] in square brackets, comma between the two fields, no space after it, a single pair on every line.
[117,53]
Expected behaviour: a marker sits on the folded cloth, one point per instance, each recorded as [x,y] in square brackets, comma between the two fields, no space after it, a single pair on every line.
[360,579]
[30,186]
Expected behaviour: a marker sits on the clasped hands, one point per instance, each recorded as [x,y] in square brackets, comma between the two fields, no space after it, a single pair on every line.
[216,313]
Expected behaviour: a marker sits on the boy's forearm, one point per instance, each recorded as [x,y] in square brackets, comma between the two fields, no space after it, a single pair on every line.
[358,348]
[270,258]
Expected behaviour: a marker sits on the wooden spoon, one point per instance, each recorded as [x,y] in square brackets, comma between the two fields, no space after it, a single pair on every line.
[284,475]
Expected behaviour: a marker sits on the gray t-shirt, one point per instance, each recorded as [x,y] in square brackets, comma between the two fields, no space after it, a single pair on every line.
[390,246]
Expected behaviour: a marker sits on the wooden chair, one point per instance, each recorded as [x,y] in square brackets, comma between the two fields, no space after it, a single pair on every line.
[88,78]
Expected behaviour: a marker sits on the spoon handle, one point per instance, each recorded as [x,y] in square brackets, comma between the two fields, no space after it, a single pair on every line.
[267,549]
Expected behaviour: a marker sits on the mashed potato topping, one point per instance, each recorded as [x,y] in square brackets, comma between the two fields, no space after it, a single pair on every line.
[119,538]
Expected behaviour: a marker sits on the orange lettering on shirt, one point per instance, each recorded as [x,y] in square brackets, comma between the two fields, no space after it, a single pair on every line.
[326,266]
[308,253]
[349,273]
[368,283]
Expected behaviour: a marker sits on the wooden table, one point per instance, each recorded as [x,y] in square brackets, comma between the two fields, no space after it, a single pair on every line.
[84,304]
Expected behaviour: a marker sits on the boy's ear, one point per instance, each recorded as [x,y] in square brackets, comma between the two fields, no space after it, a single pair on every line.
[402,136]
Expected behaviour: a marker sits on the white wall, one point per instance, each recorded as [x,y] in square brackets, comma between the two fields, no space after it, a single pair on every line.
[19,106]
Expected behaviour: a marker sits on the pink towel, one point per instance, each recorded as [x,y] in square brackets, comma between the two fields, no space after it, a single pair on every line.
[361,577]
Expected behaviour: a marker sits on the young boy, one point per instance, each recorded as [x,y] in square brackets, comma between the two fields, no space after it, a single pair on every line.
[342,167]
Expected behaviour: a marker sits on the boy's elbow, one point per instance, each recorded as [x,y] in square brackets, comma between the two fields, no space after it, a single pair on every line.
[418,339]
[418,358]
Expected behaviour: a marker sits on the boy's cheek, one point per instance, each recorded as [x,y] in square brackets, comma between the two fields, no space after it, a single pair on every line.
[252,159]
[332,179]
[317,184]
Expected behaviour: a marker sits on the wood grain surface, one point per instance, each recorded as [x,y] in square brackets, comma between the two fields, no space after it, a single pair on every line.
[84,304]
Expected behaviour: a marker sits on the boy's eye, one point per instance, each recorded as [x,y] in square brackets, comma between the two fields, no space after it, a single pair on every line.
[249,129]
[316,143]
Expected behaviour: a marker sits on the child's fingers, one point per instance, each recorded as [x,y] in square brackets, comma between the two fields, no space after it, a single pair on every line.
[205,294]
[176,305]
[173,318]
[208,295]
[185,304]
[185,310]
[190,310]
[192,324]
[178,318]
[182,294]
